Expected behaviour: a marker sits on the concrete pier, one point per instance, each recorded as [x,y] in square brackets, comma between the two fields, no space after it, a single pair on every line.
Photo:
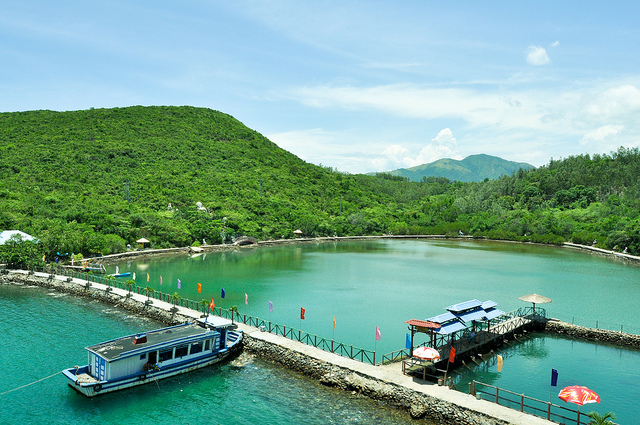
[420,398]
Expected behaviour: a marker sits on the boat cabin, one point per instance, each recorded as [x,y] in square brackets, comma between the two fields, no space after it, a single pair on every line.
[159,349]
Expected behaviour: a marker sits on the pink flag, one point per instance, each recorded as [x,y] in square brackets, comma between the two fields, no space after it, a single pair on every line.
[270,307]
[377,333]
[160,280]
[246,298]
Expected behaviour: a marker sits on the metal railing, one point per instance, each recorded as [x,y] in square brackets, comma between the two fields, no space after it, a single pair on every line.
[540,408]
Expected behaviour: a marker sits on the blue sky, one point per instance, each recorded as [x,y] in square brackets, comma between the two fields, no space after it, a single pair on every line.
[356,85]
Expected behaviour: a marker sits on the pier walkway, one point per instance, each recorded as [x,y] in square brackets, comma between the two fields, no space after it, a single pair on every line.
[391,373]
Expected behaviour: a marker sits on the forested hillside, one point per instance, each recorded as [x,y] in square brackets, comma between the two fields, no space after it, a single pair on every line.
[92,181]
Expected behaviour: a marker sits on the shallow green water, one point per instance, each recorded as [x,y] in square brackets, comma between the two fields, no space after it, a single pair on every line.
[45,332]
[364,285]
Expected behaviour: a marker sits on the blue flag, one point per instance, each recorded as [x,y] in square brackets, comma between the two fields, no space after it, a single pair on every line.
[222,293]
[408,342]
[554,378]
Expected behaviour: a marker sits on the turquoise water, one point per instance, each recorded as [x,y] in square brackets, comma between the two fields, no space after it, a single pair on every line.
[363,284]
[387,282]
[612,372]
[46,332]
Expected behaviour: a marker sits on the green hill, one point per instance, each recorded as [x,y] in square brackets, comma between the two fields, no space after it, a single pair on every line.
[473,168]
[94,181]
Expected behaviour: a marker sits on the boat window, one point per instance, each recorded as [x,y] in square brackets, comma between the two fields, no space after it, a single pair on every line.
[143,356]
[207,345]
[166,355]
[196,347]
[181,351]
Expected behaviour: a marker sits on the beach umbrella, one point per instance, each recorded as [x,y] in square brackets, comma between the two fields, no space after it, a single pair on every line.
[426,353]
[143,241]
[578,395]
[535,299]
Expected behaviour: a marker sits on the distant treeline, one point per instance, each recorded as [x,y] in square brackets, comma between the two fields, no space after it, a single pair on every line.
[94,181]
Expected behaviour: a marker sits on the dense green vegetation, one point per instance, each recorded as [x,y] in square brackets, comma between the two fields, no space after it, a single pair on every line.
[94,181]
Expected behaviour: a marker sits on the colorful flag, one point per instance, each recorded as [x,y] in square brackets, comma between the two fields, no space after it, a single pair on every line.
[161,280]
[179,284]
[452,355]
[378,335]
[134,275]
[270,307]
[246,298]
[72,260]
[117,268]
[301,313]
[334,322]
[499,363]
[43,258]
[408,342]
[212,305]
[222,293]
[147,277]
[554,378]
[199,288]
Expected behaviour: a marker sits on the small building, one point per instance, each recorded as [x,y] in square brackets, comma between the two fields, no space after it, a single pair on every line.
[8,234]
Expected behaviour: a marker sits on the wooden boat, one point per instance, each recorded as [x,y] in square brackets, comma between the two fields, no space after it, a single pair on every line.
[138,359]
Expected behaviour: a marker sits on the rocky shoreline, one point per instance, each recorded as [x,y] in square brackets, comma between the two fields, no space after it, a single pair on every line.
[417,404]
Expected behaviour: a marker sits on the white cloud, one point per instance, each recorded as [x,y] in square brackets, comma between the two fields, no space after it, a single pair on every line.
[555,44]
[537,56]
[602,139]
[443,146]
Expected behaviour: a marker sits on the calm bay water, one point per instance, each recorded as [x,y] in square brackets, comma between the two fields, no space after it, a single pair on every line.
[363,285]
[45,333]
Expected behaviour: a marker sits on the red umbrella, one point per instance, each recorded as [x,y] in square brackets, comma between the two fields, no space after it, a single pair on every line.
[578,395]
[426,353]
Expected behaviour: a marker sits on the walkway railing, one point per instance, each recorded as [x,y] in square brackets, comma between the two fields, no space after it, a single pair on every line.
[543,409]
[355,353]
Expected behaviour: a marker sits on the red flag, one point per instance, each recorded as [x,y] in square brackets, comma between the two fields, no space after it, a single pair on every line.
[212,305]
[452,355]
[301,313]
[199,288]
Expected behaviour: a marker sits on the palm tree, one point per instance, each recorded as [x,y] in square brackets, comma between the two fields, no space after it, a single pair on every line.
[130,283]
[175,298]
[149,290]
[596,419]
[234,310]
[205,304]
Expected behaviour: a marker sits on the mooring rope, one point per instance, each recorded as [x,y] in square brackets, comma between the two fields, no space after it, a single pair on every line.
[34,382]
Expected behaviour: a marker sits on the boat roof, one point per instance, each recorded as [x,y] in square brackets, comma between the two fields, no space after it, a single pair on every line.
[215,321]
[124,347]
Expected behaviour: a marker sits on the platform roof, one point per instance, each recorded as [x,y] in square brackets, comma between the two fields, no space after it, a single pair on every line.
[451,327]
[492,313]
[423,324]
[472,315]
[442,318]
[489,304]
[467,305]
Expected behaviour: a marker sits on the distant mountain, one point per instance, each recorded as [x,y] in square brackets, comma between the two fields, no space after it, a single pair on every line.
[473,168]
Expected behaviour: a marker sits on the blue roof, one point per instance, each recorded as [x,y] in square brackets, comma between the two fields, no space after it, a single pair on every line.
[472,315]
[492,313]
[489,304]
[460,307]
[441,318]
[451,327]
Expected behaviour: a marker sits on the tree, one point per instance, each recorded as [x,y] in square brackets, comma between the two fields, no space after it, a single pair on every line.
[20,254]
[149,291]
[130,284]
[597,419]
[175,298]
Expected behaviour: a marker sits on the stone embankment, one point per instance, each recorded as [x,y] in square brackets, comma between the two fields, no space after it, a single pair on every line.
[385,384]
[591,334]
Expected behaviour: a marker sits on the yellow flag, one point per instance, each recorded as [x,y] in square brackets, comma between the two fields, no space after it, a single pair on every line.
[334,322]
[147,277]
[200,289]
[499,363]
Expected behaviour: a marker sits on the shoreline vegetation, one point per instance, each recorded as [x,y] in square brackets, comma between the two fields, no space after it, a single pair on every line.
[148,253]
[92,182]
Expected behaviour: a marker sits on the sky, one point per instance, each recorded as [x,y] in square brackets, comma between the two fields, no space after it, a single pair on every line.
[359,86]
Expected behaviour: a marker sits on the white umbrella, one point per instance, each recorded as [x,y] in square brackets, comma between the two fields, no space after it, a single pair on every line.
[535,299]
[426,353]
